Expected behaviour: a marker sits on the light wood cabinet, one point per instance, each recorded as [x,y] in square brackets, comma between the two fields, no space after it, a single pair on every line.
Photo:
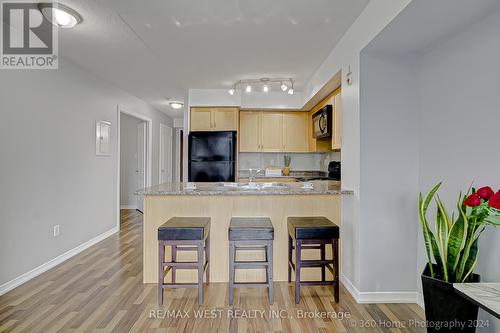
[295,132]
[271,131]
[249,134]
[201,119]
[214,119]
[337,123]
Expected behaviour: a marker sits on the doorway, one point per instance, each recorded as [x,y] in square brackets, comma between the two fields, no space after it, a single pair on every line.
[134,159]
[165,154]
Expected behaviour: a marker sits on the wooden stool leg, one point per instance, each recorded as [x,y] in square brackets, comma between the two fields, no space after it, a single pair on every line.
[289,258]
[269,249]
[336,286]
[207,258]
[161,259]
[200,272]
[231,271]
[174,259]
[323,256]
[298,246]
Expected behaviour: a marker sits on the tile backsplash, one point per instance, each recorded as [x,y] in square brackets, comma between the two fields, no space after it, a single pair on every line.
[300,161]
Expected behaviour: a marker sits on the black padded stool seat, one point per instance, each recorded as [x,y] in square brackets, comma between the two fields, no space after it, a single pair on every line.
[312,227]
[313,232]
[184,228]
[251,228]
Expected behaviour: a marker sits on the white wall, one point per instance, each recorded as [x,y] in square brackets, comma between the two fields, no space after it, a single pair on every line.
[345,56]
[389,174]
[460,117]
[128,160]
[49,172]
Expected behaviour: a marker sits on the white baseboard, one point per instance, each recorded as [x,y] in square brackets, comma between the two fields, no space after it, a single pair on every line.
[364,297]
[128,206]
[54,262]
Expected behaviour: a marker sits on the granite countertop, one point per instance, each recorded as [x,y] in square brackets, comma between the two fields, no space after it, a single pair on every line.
[323,187]
[486,295]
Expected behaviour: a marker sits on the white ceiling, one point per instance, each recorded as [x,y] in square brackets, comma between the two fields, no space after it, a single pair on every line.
[160,48]
[425,23]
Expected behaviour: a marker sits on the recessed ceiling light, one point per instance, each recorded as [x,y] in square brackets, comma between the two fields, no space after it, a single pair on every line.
[265,88]
[283,87]
[248,89]
[60,15]
[176,104]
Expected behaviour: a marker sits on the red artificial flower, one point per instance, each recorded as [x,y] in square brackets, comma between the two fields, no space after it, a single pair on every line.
[485,192]
[473,200]
[494,201]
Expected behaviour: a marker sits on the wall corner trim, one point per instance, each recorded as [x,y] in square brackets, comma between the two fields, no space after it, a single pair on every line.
[14,283]
[363,297]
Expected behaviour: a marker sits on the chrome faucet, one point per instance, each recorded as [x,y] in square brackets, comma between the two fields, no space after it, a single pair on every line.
[252,174]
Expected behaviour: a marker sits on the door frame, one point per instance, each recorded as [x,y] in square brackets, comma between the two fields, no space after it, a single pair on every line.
[162,125]
[149,153]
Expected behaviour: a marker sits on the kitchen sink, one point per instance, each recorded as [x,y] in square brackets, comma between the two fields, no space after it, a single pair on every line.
[256,186]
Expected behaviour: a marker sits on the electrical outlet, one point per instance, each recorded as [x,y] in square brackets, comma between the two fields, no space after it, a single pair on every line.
[56,230]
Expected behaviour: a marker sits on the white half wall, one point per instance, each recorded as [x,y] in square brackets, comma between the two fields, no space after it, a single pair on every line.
[49,172]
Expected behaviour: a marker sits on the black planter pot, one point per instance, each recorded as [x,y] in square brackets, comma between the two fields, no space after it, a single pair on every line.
[445,307]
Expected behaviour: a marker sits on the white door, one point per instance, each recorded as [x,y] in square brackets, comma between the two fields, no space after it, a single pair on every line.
[141,162]
[165,154]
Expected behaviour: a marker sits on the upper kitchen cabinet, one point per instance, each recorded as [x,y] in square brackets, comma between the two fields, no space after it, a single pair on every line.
[249,135]
[295,132]
[214,119]
[333,142]
[271,131]
[337,123]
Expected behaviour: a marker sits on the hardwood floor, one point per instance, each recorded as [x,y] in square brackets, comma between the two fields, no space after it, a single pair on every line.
[101,290]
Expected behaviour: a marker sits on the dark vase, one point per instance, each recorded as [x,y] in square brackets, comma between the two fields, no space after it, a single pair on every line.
[445,307]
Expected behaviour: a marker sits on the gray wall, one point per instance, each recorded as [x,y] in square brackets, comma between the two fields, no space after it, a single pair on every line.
[427,115]
[460,119]
[49,173]
[389,166]
[128,159]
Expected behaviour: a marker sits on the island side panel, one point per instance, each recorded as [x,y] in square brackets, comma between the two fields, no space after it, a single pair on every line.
[158,209]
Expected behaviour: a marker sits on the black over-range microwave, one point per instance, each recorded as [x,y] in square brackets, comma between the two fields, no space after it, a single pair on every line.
[322,122]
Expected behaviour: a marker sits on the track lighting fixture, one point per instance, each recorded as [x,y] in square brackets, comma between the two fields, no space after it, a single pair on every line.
[266,84]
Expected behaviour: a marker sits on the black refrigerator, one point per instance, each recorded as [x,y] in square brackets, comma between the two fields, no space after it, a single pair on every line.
[212,156]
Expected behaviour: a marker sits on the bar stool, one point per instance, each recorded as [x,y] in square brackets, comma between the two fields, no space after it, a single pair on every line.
[313,233]
[251,233]
[184,234]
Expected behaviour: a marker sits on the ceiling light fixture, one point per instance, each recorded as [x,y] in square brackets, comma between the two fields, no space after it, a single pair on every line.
[265,83]
[60,15]
[176,104]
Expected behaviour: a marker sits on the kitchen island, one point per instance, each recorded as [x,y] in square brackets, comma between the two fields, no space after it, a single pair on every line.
[220,202]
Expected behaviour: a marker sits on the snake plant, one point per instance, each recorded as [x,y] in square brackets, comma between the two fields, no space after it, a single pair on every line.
[453,244]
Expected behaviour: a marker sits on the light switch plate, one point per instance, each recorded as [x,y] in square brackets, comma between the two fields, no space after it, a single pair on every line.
[103,138]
